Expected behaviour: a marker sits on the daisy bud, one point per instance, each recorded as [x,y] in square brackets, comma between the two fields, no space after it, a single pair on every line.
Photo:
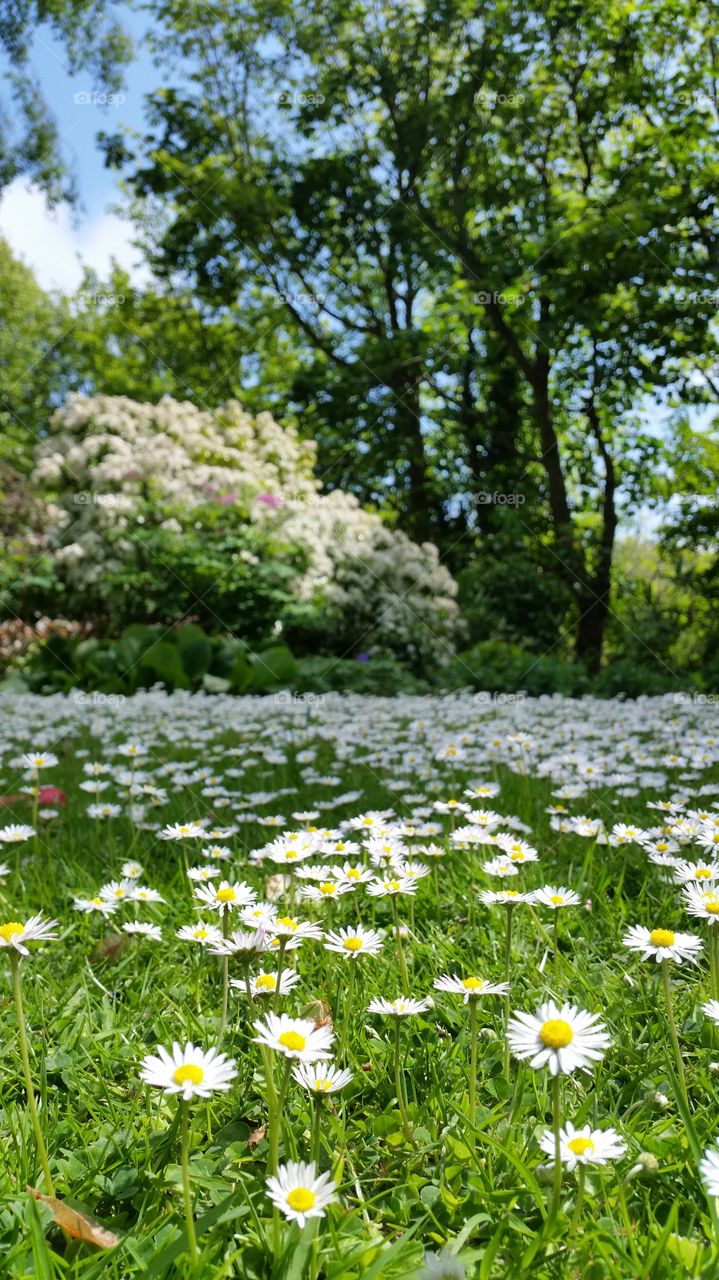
[646,1167]
[275,886]
[656,1099]
[714,1066]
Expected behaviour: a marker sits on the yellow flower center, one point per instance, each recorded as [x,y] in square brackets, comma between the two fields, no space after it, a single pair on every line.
[292,1040]
[579,1145]
[200,934]
[352,944]
[661,938]
[394,885]
[328,887]
[287,922]
[266,982]
[322,1086]
[472,984]
[556,898]
[511,893]
[353,874]
[96,902]
[291,854]
[189,1072]
[703,873]
[556,1033]
[226,895]
[712,906]
[301,1199]
[11,930]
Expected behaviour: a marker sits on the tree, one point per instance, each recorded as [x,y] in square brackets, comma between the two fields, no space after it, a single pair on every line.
[475,216]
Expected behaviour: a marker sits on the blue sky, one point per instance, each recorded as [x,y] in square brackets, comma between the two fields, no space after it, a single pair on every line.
[53,243]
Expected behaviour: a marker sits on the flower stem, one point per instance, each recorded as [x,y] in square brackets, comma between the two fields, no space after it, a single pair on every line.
[472,1068]
[186,1188]
[280,968]
[399,1088]
[578,1203]
[555,947]
[317,1131]
[225,981]
[400,948]
[673,1032]
[507,997]
[25,1056]
[347,1008]
[556,1125]
[714,961]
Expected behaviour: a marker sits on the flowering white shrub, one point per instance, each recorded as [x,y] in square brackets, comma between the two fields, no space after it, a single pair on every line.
[108,461]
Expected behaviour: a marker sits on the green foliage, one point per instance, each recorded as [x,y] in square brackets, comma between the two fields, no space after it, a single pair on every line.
[500,667]
[180,658]
[382,674]
[223,571]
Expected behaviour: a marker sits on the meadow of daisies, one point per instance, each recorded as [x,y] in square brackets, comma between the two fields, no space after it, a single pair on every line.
[359,987]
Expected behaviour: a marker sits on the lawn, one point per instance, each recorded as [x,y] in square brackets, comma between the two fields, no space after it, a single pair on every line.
[440,1149]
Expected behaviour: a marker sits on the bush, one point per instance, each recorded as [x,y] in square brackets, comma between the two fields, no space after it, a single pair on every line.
[183,658]
[499,667]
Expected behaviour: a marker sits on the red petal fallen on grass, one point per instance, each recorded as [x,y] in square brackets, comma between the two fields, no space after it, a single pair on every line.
[77,1224]
[52,795]
[48,795]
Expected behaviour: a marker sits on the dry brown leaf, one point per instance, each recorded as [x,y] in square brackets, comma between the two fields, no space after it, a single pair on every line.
[77,1224]
[110,947]
[256,1137]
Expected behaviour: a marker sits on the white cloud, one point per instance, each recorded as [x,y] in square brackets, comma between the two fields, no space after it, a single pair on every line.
[56,249]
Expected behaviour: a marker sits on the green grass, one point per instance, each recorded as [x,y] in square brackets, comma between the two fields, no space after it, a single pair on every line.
[93,1013]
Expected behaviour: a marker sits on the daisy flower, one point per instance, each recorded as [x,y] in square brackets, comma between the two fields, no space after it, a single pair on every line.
[182,831]
[703,903]
[38,760]
[131,870]
[663,944]
[564,1039]
[265,984]
[14,934]
[326,889]
[470,988]
[227,897]
[353,875]
[709,1170]
[584,1146]
[191,1071]
[16,833]
[402,1007]
[500,867]
[102,905]
[388,888]
[509,897]
[696,872]
[241,942]
[143,894]
[205,934]
[294,1037]
[289,927]
[354,942]
[556,896]
[145,930]
[118,890]
[321,1077]
[299,1193]
[711,1009]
